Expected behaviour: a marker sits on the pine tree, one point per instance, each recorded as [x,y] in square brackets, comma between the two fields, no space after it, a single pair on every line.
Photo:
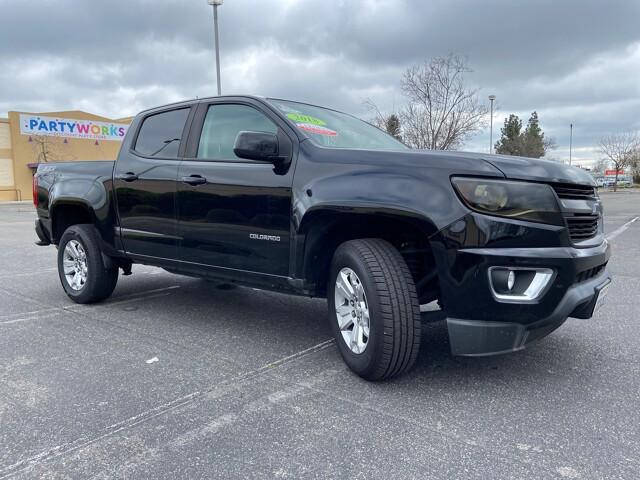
[533,139]
[392,126]
[510,142]
[530,143]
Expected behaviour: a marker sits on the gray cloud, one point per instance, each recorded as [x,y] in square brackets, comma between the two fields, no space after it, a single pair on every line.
[572,61]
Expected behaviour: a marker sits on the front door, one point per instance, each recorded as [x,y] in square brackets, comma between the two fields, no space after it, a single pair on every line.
[145,185]
[234,213]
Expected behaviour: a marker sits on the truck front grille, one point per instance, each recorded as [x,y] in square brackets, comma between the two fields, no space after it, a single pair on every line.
[582,227]
[574,192]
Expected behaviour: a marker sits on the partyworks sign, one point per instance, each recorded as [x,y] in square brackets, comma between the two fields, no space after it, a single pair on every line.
[67,127]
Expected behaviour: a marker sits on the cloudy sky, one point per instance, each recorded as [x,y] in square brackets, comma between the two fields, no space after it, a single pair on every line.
[572,61]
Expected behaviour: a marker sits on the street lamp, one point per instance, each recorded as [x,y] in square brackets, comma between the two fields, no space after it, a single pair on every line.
[570,141]
[216,4]
[491,99]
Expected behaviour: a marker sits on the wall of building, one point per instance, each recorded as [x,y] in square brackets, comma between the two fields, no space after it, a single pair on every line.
[27,139]
[7,183]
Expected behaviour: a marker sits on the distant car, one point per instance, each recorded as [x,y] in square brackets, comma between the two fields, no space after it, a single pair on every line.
[600,182]
[622,182]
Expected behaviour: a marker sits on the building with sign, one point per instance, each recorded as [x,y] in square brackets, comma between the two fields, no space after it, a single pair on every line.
[27,139]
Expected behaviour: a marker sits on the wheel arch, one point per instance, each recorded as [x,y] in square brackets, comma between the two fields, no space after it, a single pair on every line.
[324,228]
[67,212]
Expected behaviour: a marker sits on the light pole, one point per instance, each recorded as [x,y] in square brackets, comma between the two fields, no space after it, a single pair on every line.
[216,4]
[491,99]
[570,141]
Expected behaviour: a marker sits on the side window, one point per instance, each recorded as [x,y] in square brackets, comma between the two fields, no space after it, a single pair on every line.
[222,125]
[160,134]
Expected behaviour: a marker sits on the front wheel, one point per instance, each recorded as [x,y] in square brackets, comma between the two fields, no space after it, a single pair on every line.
[81,268]
[373,309]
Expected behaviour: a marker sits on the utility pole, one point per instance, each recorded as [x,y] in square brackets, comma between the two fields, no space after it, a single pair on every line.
[570,141]
[216,4]
[491,99]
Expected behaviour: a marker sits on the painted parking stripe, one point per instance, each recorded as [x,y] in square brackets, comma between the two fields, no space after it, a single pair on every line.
[621,229]
[134,297]
[29,274]
[83,442]
[29,318]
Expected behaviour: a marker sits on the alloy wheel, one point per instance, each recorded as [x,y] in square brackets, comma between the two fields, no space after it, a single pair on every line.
[74,262]
[352,310]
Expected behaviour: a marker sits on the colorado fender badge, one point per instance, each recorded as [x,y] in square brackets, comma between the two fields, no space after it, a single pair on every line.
[270,238]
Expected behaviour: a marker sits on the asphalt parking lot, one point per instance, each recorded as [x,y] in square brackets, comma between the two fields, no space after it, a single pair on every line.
[175,378]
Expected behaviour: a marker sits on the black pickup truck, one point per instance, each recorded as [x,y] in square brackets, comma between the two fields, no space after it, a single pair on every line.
[302,199]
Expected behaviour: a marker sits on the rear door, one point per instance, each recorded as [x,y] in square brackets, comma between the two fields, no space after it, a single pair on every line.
[145,184]
[234,213]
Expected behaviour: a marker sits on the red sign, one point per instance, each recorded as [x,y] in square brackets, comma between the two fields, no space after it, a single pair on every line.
[612,173]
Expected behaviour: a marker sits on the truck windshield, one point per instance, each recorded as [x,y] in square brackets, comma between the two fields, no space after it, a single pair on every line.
[330,128]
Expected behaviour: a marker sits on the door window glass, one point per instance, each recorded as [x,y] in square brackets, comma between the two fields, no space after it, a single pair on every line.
[160,134]
[222,125]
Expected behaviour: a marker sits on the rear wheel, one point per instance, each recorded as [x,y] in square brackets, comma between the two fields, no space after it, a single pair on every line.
[373,309]
[81,268]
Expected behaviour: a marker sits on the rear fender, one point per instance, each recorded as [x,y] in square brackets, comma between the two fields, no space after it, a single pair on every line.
[87,195]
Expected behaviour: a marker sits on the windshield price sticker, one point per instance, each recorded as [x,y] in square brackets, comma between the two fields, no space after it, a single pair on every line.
[300,118]
[317,129]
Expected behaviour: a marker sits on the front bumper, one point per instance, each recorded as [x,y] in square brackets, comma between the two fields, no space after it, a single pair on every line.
[479,324]
[481,338]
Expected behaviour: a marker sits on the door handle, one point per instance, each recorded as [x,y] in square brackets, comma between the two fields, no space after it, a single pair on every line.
[194,180]
[127,177]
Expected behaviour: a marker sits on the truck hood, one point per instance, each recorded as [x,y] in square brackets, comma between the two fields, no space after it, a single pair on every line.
[457,163]
[522,168]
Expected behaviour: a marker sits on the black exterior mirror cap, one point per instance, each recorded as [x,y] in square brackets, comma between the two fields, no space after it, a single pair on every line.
[260,146]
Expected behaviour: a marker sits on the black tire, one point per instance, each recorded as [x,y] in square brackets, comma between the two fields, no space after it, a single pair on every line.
[394,312]
[100,280]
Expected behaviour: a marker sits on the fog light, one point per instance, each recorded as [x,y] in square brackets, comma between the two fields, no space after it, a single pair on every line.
[519,284]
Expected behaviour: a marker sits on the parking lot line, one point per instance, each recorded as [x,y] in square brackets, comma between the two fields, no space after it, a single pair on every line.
[316,348]
[147,415]
[84,442]
[9,316]
[27,318]
[38,272]
[123,301]
[621,229]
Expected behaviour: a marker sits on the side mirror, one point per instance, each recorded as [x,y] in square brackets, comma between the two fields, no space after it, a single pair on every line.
[257,146]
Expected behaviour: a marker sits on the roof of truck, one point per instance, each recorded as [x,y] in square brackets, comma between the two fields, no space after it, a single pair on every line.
[255,97]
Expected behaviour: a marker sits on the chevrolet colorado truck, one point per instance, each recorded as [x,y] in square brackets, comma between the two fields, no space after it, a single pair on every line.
[297,198]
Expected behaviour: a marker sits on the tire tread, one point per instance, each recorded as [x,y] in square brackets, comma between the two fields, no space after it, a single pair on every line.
[103,279]
[398,302]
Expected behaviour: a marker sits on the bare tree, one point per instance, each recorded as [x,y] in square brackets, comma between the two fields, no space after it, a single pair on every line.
[622,149]
[390,123]
[600,166]
[378,119]
[635,170]
[442,111]
[45,148]
[549,144]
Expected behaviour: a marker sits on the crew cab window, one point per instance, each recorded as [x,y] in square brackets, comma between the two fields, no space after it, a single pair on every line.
[160,134]
[222,125]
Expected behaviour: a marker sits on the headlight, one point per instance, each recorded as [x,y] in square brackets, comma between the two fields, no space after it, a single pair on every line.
[533,202]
